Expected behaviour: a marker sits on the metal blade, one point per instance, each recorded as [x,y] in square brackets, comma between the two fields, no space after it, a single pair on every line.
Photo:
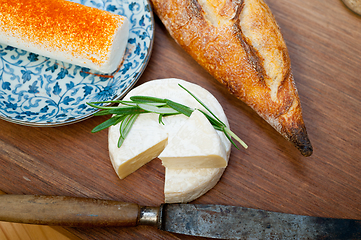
[230,222]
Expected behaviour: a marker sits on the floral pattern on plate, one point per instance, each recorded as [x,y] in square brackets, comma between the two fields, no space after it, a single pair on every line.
[39,91]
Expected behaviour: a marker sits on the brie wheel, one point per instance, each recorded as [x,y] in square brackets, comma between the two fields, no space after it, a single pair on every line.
[181,184]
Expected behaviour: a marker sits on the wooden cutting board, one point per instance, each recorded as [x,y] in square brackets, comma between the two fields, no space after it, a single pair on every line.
[324,42]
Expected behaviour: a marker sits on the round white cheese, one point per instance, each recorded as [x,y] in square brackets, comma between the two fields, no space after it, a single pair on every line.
[181,185]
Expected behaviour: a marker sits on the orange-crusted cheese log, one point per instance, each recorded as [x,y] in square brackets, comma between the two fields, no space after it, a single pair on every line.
[240,44]
[65,31]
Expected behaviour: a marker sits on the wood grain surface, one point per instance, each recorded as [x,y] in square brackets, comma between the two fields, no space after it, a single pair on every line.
[324,42]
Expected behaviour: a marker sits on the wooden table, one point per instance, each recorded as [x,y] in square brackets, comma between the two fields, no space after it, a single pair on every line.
[324,42]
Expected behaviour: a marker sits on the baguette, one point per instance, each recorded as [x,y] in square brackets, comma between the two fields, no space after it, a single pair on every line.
[240,44]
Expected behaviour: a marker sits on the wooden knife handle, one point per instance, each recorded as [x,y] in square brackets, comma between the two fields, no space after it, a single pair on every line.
[74,212]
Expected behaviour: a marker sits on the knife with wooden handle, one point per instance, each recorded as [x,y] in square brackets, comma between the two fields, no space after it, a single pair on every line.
[214,221]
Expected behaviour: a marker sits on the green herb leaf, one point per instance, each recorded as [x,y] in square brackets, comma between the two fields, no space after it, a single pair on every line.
[212,120]
[200,102]
[110,122]
[230,139]
[120,110]
[147,99]
[99,107]
[127,112]
[231,134]
[160,119]
[154,109]
[102,102]
[180,107]
[218,123]
[102,113]
[125,127]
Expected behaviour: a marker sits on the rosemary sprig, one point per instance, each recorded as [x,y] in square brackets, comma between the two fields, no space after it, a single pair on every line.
[128,111]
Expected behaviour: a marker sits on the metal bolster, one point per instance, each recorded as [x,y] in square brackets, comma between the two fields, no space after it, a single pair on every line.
[151,216]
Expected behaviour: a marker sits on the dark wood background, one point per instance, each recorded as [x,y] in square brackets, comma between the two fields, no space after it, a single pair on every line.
[324,42]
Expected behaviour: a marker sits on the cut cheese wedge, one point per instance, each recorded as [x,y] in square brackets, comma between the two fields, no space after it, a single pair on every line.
[145,141]
[65,31]
[196,145]
[181,185]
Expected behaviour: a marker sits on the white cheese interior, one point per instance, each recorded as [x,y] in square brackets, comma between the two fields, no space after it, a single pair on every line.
[115,54]
[195,145]
[181,185]
[117,50]
[145,141]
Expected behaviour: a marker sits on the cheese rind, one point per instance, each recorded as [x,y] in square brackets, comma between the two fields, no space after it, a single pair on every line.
[185,185]
[195,145]
[65,31]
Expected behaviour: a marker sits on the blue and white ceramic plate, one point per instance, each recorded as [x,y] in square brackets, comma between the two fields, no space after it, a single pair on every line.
[38,91]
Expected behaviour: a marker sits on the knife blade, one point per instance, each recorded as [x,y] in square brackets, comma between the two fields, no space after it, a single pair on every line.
[213,221]
[231,222]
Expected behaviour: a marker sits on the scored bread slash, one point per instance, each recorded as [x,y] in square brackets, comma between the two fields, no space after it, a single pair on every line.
[65,31]
[148,138]
[195,145]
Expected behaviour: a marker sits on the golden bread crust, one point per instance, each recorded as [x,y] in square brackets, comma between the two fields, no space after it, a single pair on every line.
[240,44]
